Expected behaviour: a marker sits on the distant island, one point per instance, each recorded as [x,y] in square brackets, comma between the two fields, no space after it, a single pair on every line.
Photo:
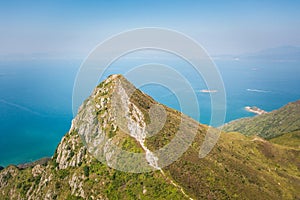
[208,91]
[255,110]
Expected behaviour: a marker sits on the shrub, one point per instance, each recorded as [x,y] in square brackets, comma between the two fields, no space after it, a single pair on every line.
[86,171]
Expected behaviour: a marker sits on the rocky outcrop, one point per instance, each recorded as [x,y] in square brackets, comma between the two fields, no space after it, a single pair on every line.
[70,152]
[7,174]
[76,183]
[38,170]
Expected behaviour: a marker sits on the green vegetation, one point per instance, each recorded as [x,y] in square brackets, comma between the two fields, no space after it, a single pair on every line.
[86,170]
[288,139]
[239,167]
[269,125]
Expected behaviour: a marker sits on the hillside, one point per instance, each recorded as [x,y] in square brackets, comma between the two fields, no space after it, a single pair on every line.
[239,167]
[269,125]
[288,139]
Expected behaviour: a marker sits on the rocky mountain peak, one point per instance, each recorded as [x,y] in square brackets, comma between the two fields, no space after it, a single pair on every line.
[115,112]
[124,145]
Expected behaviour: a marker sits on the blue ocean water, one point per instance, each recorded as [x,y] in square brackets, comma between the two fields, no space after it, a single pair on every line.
[35,108]
[36,98]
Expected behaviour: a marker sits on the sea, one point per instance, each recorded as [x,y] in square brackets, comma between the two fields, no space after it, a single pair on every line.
[36,97]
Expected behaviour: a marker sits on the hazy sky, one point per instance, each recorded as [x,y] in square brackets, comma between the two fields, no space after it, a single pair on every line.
[76,27]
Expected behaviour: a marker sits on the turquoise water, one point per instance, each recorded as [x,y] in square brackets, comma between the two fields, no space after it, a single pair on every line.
[35,108]
[36,99]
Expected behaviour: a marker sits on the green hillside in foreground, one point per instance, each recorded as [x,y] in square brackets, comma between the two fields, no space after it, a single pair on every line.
[238,167]
[269,125]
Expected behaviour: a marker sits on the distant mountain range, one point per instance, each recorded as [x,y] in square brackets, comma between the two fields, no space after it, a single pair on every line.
[238,167]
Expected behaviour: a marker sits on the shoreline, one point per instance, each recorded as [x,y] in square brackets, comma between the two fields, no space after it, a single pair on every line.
[40,161]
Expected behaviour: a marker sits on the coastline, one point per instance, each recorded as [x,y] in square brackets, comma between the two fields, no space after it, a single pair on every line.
[40,161]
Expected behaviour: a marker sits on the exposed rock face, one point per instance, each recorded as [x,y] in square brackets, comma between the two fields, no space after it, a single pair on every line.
[76,183]
[116,118]
[70,152]
[101,121]
[6,174]
[37,170]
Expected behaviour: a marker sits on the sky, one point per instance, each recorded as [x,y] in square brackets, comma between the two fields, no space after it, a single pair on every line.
[74,28]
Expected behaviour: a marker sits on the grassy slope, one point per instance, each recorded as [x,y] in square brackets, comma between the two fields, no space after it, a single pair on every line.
[270,125]
[240,167]
[289,139]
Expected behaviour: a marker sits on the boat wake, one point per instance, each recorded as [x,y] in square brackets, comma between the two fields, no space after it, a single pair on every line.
[257,90]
